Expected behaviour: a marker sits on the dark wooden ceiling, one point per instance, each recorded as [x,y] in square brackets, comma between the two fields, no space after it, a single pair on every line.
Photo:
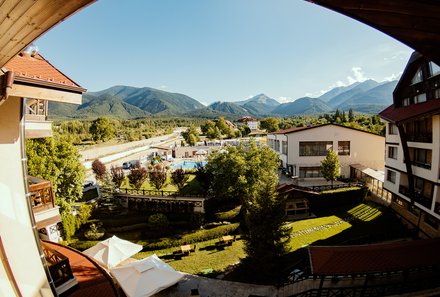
[415,23]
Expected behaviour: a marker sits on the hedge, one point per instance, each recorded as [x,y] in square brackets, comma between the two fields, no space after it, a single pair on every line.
[198,236]
[164,243]
[338,197]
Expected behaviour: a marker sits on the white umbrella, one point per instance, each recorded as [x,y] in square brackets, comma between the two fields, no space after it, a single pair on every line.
[112,251]
[146,277]
[201,152]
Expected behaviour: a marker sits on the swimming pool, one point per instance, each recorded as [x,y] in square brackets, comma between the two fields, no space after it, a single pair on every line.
[187,164]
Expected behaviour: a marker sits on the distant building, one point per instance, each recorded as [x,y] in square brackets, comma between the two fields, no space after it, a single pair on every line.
[302,149]
[251,122]
[412,157]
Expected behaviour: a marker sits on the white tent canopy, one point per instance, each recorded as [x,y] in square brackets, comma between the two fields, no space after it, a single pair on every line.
[146,277]
[201,152]
[112,251]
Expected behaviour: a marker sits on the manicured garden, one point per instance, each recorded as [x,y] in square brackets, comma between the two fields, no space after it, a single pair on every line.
[358,224]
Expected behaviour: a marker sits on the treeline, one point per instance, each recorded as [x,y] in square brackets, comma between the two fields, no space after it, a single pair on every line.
[104,129]
[370,123]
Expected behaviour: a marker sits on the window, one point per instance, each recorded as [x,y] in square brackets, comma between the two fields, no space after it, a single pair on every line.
[420,130]
[425,189]
[420,98]
[284,147]
[392,129]
[414,210]
[431,221]
[421,157]
[418,77]
[344,148]
[406,102]
[314,148]
[434,68]
[277,145]
[392,152]
[436,94]
[306,172]
[391,176]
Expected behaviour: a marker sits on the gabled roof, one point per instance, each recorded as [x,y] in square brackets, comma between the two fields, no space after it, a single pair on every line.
[401,114]
[37,70]
[383,257]
[299,129]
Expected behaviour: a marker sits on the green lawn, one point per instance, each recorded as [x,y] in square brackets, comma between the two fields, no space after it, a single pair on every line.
[207,258]
[363,223]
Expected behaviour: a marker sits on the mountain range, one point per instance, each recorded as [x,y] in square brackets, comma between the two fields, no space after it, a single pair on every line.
[126,102]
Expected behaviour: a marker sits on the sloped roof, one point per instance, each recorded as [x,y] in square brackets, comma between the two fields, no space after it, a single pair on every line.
[36,69]
[298,129]
[363,259]
[400,114]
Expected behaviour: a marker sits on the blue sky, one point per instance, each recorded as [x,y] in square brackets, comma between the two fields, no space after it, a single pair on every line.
[223,50]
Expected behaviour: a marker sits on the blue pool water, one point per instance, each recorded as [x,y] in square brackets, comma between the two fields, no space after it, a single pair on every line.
[187,165]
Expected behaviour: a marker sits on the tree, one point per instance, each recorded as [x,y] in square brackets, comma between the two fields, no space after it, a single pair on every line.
[158,176]
[118,175]
[205,127]
[99,169]
[223,126]
[350,115]
[137,176]
[330,166]
[191,135]
[179,178]
[249,175]
[270,124]
[57,160]
[101,129]
[266,235]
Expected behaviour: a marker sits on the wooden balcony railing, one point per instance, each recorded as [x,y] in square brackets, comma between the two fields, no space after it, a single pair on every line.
[42,196]
[59,266]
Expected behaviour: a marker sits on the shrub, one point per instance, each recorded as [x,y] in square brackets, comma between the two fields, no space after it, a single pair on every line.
[338,197]
[99,169]
[94,233]
[158,221]
[198,236]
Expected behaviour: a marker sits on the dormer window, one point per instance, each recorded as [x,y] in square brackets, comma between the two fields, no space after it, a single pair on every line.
[418,77]
[420,98]
[434,69]
[406,102]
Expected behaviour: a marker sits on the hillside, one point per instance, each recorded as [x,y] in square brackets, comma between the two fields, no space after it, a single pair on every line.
[360,88]
[127,103]
[305,105]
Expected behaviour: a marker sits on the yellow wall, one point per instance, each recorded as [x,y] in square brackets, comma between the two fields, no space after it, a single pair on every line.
[16,232]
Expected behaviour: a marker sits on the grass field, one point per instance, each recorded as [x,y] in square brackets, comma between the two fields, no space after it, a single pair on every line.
[364,223]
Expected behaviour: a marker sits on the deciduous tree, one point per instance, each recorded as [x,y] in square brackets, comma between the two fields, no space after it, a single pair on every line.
[137,176]
[179,178]
[101,129]
[99,169]
[158,176]
[118,175]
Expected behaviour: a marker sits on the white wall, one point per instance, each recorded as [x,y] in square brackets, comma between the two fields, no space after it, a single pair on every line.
[365,148]
[16,232]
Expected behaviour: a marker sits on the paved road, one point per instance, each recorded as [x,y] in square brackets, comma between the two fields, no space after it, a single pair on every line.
[115,155]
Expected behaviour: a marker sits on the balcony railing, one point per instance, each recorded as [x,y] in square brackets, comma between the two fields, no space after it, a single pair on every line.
[41,194]
[421,164]
[417,196]
[59,266]
[420,138]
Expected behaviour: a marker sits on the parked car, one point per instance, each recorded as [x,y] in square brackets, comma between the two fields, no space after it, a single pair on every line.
[130,164]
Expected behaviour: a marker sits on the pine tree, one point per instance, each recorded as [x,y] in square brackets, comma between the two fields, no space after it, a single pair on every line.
[330,166]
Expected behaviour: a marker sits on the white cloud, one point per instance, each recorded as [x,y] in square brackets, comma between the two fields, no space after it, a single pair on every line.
[393,76]
[284,99]
[358,76]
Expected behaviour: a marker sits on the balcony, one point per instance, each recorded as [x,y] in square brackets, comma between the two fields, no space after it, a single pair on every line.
[37,125]
[419,138]
[59,268]
[46,212]
[421,165]
[417,196]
